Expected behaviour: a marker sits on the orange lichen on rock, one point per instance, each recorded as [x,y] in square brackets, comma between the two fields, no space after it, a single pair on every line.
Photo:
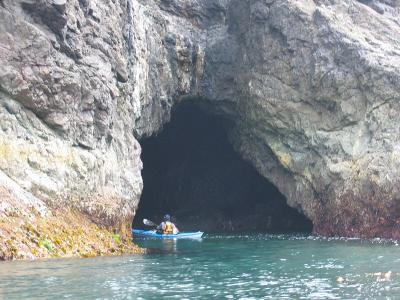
[63,233]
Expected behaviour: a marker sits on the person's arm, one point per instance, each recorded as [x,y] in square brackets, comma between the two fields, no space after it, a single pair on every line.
[176,229]
[161,226]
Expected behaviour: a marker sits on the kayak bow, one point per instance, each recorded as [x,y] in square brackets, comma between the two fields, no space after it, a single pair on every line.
[154,234]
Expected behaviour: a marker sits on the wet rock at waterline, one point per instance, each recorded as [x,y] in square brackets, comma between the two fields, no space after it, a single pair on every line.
[311,88]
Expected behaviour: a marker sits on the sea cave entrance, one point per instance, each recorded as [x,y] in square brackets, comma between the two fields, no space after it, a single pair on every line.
[192,172]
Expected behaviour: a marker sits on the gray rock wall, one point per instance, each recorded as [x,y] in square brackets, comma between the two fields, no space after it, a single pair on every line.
[319,99]
[312,88]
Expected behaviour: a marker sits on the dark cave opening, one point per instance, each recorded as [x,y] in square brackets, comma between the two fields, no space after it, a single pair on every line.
[192,172]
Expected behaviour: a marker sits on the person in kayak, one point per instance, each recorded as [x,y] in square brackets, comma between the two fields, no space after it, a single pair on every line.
[167,227]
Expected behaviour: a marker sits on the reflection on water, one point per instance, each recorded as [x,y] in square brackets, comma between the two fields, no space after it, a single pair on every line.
[218,267]
[169,245]
[164,246]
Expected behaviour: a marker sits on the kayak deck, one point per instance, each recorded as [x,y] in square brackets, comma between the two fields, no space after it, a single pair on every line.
[154,234]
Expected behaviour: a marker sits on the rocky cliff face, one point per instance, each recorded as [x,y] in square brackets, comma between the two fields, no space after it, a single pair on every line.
[317,91]
[312,88]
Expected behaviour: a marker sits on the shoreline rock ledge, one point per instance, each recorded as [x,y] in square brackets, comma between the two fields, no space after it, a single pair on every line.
[312,89]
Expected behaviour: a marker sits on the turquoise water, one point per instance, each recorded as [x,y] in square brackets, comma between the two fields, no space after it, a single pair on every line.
[256,266]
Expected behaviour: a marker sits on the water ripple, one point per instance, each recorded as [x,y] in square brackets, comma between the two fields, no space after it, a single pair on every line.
[245,266]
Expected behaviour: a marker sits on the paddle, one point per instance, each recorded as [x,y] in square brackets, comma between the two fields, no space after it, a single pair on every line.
[149,223]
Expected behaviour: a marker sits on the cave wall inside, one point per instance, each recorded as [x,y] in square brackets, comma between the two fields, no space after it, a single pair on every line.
[192,172]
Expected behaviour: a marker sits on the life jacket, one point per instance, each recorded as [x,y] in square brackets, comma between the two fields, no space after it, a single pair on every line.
[168,228]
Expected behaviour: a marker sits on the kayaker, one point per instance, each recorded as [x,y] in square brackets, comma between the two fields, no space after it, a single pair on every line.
[167,227]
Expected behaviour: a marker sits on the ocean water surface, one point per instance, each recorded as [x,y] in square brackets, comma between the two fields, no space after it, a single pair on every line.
[237,266]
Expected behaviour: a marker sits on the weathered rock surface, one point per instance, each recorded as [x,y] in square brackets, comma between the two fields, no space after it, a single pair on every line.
[317,97]
[311,86]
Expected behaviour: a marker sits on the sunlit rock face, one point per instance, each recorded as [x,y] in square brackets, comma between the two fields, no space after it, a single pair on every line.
[311,89]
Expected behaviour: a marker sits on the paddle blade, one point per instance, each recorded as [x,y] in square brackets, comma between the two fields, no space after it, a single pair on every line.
[149,223]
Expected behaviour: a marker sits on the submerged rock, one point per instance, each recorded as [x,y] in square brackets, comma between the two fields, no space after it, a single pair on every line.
[312,89]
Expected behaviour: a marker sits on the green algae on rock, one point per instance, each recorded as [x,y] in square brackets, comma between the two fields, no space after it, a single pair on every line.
[63,233]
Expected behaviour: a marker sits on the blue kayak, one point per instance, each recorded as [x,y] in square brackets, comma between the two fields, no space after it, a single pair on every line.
[154,234]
